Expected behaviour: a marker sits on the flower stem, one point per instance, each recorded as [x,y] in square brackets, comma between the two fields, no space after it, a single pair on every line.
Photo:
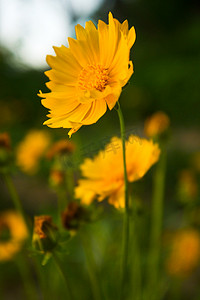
[61,203]
[63,275]
[136,281]
[91,268]
[126,214]
[28,282]
[13,194]
[156,228]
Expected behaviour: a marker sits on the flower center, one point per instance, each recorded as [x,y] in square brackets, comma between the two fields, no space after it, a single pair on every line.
[93,77]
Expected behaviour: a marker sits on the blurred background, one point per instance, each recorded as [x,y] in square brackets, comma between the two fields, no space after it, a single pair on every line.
[166,58]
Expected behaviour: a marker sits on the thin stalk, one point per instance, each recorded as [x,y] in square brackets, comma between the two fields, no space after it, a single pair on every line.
[126,214]
[63,275]
[156,227]
[91,269]
[136,257]
[14,196]
[42,280]
[70,183]
[61,204]
[28,282]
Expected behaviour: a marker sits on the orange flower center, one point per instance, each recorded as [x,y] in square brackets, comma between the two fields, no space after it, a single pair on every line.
[93,77]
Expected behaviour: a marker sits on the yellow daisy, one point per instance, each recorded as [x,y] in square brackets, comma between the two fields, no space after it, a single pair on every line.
[89,75]
[12,227]
[104,175]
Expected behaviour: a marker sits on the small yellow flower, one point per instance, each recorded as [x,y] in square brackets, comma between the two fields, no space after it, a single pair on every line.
[16,231]
[31,149]
[157,124]
[104,175]
[185,253]
[89,75]
[62,147]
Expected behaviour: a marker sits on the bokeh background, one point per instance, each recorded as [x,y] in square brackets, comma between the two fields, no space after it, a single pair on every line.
[166,58]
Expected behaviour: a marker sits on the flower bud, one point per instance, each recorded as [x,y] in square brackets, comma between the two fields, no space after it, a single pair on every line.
[45,234]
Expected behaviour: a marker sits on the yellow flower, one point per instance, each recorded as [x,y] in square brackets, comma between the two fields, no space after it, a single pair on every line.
[156,124]
[104,175]
[13,232]
[89,75]
[185,253]
[31,149]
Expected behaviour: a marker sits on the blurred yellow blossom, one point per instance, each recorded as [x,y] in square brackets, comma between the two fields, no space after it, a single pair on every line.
[157,124]
[31,149]
[104,175]
[184,253]
[13,232]
[89,75]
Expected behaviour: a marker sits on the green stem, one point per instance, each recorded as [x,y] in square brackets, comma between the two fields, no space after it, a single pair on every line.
[91,269]
[136,257]
[61,204]
[28,282]
[156,228]
[14,195]
[63,275]
[41,277]
[126,214]
[70,184]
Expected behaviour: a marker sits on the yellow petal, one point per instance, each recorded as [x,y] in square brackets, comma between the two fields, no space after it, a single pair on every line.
[97,110]
[131,37]
[113,98]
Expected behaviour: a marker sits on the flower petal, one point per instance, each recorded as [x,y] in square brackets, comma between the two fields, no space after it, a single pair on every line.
[97,110]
